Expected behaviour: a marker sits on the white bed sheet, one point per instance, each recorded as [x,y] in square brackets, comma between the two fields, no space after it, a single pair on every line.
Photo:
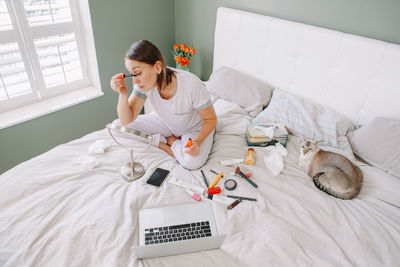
[55,213]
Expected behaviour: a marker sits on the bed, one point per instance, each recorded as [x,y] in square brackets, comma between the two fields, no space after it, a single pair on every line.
[57,212]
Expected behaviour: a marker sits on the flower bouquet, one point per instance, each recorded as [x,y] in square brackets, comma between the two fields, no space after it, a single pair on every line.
[182,55]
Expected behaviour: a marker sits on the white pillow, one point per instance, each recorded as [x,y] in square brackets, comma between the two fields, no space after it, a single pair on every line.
[232,119]
[378,143]
[305,118]
[240,88]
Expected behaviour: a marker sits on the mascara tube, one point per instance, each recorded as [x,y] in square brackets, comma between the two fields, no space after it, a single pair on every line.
[215,181]
[123,75]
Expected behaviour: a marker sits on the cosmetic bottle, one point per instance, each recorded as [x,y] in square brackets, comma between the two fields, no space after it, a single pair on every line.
[250,157]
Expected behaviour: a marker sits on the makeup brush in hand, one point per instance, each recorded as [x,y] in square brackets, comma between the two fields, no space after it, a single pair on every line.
[238,171]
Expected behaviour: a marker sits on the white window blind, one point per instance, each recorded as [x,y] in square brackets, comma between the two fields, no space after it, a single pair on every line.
[41,51]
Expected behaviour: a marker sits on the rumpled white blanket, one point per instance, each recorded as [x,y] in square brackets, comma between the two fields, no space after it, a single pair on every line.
[55,214]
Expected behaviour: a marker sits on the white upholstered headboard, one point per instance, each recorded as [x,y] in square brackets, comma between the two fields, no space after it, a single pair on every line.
[356,76]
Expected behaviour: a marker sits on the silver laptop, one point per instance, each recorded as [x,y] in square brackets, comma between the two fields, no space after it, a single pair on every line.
[177,230]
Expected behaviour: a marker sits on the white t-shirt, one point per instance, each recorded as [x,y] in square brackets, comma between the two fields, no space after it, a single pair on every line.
[180,111]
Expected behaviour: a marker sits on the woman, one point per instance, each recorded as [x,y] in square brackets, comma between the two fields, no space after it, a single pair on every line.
[181,103]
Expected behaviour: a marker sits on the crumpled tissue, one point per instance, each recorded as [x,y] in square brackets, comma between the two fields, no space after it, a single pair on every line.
[99,147]
[267,131]
[87,162]
[274,160]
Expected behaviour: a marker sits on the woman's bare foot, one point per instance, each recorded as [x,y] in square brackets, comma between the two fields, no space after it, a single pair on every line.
[166,148]
[171,139]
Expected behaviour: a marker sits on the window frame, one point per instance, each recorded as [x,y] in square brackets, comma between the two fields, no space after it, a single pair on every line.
[25,35]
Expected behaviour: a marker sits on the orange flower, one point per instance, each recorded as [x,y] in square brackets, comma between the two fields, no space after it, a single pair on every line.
[182,54]
[184,61]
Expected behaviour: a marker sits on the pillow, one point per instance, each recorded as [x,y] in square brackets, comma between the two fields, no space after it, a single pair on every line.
[232,119]
[240,88]
[305,118]
[378,143]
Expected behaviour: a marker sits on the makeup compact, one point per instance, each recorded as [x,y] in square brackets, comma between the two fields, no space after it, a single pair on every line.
[230,184]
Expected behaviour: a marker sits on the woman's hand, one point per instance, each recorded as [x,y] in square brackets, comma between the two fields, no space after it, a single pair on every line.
[118,84]
[194,150]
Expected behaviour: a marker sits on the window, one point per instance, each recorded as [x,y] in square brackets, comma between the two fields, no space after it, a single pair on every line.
[42,51]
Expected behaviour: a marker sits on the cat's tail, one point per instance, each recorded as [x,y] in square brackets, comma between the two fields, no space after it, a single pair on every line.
[328,190]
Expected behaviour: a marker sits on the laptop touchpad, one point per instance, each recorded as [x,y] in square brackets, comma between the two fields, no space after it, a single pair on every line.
[176,216]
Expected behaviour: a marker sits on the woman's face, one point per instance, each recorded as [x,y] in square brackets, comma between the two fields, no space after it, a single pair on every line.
[146,74]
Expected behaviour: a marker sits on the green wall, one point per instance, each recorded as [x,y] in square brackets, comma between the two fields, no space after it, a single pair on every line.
[117,23]
[195,20]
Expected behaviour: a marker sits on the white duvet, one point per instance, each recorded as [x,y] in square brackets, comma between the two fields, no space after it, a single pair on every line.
[54,212]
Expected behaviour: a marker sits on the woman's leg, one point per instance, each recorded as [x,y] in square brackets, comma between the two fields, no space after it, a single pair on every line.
[150,124]
[188,161]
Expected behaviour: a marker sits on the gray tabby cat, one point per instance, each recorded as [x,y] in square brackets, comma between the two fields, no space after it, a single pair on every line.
[331,172]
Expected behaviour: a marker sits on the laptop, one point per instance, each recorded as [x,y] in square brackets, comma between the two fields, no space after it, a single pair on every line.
[177,230]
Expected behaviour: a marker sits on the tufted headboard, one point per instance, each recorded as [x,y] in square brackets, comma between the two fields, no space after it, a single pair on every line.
[356,76]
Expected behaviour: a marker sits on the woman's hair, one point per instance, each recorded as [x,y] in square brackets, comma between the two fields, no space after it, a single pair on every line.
[144,51]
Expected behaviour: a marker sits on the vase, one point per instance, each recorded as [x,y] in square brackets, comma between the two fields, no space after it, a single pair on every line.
[180,67]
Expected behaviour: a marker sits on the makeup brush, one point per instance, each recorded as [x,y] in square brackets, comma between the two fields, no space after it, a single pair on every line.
[238,171]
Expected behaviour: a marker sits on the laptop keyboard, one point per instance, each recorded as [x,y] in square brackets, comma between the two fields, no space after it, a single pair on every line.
[177,232]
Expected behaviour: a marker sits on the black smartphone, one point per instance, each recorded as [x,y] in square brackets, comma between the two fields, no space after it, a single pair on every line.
[158,176]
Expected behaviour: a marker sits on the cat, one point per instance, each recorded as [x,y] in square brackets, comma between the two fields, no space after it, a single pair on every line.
[331,172]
